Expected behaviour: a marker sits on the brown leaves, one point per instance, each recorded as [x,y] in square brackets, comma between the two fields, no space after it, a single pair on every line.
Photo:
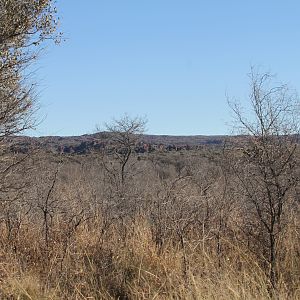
[24,26]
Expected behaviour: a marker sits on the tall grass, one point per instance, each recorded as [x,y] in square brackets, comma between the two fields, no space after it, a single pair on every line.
[91,264]
[170,235]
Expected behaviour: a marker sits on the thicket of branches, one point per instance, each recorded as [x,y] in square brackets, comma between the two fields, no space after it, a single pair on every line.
[204,224]
[267,165]
[24,28]
[210,224]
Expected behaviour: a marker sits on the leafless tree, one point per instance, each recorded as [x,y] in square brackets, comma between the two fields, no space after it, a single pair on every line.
[266,163]
[24,28]
[124,136]
[119,164]
[126,133]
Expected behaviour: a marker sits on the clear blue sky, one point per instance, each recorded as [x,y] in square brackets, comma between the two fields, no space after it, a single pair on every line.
[170,60]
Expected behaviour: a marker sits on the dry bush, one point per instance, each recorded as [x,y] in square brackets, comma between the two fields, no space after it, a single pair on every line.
[183,241]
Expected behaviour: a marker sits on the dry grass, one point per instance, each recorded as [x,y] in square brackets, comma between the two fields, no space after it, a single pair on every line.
[171,240]
[91,265]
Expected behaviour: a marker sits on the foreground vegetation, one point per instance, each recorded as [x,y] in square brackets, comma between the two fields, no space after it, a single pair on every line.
[177,231]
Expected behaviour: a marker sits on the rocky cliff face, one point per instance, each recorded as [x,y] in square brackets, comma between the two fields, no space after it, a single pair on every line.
[95,142]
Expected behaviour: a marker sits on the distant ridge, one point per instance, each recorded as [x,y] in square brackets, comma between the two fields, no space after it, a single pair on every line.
[89,142]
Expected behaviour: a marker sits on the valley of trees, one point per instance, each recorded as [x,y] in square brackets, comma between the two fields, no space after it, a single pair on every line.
[214,222]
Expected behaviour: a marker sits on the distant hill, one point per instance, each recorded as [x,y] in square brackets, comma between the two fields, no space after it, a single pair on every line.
[94,142]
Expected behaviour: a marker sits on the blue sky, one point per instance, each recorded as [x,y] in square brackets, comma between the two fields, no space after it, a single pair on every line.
[173,61]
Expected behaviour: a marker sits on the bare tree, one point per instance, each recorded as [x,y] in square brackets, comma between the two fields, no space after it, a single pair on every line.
[266,163]
[120,167]
[125,134]
[24,28]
